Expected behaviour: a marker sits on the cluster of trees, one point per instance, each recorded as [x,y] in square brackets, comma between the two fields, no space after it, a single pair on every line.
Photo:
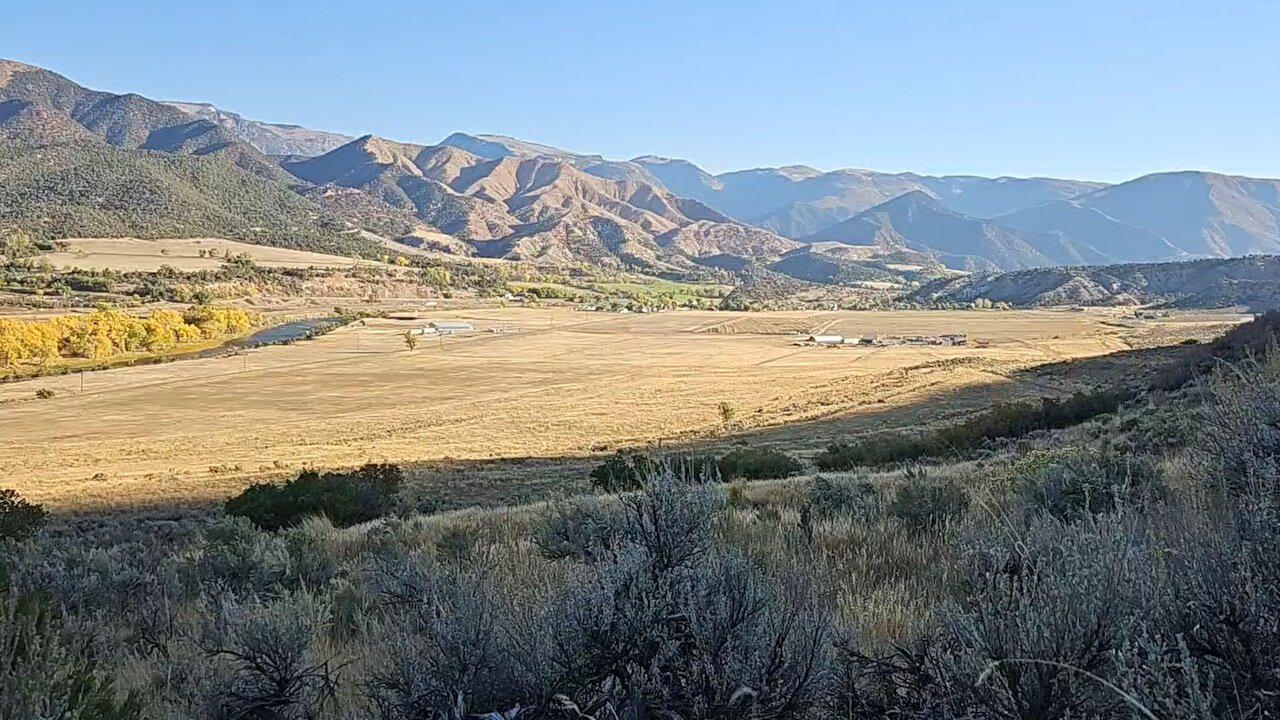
[16,245]
[108,331]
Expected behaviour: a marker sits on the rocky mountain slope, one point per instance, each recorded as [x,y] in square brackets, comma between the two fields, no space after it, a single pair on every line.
[557,207]
[269,138]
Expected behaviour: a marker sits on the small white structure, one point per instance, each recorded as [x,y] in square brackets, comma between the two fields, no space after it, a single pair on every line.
[452,326]
[826,339]
[424,331]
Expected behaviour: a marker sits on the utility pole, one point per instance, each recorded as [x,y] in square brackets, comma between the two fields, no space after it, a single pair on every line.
[82,382]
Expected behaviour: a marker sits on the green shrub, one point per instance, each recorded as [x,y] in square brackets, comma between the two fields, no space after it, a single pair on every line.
[926,505]
[1086,481]
[755,464]
[843,496]
[346,498]
[624,472]
[44,394]
[1002,421]
[19,519]
[881,450]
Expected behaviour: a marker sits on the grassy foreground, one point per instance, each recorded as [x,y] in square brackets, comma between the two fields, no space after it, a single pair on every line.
[1127,566]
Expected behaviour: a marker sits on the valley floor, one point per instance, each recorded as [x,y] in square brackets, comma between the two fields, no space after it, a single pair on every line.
[551,384]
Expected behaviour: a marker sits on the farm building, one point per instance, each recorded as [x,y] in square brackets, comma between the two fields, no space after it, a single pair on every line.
[452,326]
[825,339]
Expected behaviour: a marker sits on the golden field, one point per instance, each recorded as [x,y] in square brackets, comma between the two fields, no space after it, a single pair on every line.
[554,383]
[134,255]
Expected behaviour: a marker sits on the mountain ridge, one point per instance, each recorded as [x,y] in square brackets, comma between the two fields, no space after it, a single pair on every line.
[500,196]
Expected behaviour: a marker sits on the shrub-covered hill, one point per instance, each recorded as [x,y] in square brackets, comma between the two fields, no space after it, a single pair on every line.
[1251,281]
[91,189]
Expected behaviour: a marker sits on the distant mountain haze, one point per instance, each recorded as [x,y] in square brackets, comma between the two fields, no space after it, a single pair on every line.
[77,161]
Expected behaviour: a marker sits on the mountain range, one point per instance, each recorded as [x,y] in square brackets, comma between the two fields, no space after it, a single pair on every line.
[75,161]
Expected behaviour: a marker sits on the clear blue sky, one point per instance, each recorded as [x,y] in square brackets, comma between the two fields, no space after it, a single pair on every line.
[1102,90]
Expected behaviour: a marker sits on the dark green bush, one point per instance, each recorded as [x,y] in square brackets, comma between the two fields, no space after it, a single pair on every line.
[625,471]
[929,504]
[843,496]
[346,498]
[19,519]
[882,450]
[755,464]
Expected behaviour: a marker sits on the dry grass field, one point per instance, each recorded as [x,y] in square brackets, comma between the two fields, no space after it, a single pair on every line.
[130,254]
[554,383]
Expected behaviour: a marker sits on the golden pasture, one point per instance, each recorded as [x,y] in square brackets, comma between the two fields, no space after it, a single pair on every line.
[553,383]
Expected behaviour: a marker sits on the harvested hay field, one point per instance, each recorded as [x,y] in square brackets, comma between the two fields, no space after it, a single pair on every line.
[131,254]
[554,383]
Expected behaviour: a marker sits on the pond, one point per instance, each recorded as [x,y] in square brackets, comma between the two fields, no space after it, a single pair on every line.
[274,335]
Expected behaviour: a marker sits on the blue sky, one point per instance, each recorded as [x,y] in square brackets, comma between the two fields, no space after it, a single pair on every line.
[1100,90]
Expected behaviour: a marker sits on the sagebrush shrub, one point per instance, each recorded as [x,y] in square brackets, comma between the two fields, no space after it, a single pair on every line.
[580,528]
[272,659]
[1042,610]
[1088,480]
[671,624]
[1224,606]
[928,504]
[854,497]
[42,676]
[1239,439]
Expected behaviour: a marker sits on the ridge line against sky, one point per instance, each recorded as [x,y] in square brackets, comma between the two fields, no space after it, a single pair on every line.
[1090,90]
